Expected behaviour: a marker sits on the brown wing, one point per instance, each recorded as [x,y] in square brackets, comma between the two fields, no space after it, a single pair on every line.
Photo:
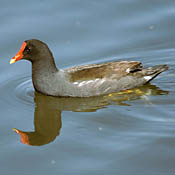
[113,70]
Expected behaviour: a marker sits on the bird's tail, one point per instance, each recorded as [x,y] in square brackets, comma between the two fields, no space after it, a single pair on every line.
[152,72]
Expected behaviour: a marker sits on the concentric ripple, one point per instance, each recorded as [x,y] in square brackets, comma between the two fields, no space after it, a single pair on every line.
[17,90]
[24,91]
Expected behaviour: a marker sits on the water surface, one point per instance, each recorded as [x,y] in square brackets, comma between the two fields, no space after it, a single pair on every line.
[122,133]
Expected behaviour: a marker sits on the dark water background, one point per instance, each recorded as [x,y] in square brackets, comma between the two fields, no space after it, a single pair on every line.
[120,134]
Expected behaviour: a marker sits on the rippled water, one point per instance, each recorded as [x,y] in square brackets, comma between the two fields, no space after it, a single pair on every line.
[122,133]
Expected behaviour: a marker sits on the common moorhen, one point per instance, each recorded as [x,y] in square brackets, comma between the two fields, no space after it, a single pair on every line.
[82,81]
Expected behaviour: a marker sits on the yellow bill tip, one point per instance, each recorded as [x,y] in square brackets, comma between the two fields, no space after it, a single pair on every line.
[12,61]
[15,130]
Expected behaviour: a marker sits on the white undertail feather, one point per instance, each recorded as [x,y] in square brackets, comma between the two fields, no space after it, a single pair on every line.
[147,77]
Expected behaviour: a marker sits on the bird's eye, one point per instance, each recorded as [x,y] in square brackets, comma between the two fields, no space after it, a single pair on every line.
[27,49]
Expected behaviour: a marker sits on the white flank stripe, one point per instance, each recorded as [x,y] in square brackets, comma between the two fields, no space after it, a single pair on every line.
[128,70]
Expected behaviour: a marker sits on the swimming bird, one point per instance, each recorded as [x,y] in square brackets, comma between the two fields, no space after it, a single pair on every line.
[82,81]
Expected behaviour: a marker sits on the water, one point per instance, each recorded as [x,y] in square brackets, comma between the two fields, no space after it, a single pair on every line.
[128,133]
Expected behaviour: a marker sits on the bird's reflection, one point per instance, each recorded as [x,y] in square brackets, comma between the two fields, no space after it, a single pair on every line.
[47,116]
